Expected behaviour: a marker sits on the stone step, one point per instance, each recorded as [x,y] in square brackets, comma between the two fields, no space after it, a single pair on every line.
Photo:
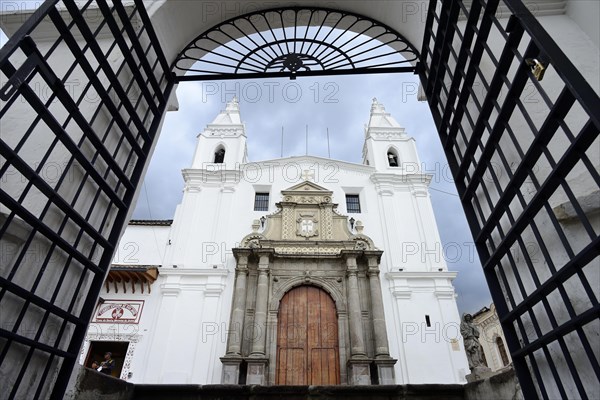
[92,385]
[243,392]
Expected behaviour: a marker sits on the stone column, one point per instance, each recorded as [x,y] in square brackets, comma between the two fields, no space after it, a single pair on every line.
[385,364]
[262,299]
[233,357]
[238,309]
[258,361]
[359,364]
[357,341]
[380,332]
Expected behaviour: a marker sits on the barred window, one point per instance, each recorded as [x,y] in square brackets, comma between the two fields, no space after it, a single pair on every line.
[352,203]
[261,202]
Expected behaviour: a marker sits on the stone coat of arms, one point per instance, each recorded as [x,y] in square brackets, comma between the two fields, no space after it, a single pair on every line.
[307,226]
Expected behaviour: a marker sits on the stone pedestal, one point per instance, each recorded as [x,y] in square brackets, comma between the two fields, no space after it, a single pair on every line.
[257,371]
[385,371]
[231,370]
[479,373]
[359,372]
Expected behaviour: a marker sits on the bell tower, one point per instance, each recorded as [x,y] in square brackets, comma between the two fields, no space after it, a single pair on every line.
[387,146]
[223,141]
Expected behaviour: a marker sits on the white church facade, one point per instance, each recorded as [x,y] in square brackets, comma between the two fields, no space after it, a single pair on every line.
[299,270]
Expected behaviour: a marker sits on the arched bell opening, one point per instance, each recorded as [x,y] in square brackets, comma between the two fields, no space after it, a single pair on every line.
[392,157]
[219,156]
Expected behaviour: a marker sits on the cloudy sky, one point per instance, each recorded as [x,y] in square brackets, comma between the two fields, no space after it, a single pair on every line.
[340,104]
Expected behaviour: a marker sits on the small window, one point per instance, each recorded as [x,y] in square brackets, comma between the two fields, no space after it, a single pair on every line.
[353,203]
[98,350]
[220,156]
[427,321]
[502,351]
[261,202]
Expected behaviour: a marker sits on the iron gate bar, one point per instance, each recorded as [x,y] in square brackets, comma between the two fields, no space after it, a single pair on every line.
[4,168]
[32,220]
[14,42]
[538,146]
[57,129]
[100,58]
[569,326]
[13,159]
[535,279]
[95,81]
[358,71]
[127,55]
[61,93]
[90,303]
[38,61]
[161,59]
[534,229]
[489,148]
[37,345]
[110,170]
[555,281]
[469,78]
[139,51]
[585,139]
[571,76]
[443,42]
[483,224]
[463,53]
[546,254]
[514,92]
[38,301]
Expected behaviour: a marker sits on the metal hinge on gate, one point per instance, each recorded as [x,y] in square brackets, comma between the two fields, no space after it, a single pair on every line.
[18,78]
[538,68]
[34,62]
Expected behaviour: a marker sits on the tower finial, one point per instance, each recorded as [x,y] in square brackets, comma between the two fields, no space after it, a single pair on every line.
[377,107]
[233,105]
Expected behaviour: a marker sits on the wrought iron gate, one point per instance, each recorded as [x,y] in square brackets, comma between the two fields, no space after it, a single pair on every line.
[71,163]
[524,156]
[514,170]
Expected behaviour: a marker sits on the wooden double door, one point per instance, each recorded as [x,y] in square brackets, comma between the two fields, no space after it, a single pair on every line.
[307,339]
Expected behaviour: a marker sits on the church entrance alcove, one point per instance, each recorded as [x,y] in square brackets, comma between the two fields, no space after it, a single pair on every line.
[307,338]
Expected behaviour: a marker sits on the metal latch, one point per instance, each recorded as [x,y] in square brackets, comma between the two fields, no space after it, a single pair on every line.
[538,68]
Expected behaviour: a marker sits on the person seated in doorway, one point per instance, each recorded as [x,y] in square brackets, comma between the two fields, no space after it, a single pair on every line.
[95,365]
[107,366]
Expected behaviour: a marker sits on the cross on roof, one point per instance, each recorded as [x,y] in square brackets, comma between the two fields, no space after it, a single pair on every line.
[308,175]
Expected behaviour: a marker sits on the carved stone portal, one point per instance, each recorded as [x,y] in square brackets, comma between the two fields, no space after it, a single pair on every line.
[307,243]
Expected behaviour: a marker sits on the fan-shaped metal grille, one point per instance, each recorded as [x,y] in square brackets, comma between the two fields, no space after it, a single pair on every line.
[295,42]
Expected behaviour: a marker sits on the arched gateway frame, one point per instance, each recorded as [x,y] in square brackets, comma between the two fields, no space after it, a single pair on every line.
[518,173]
